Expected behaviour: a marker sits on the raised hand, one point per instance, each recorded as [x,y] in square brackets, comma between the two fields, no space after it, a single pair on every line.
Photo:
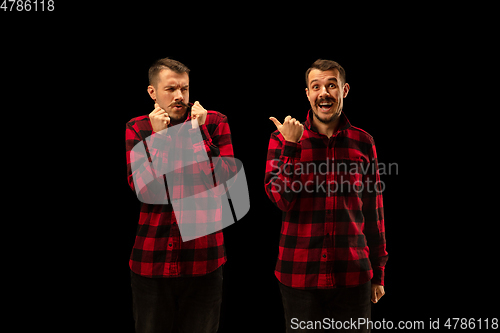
[291,129]
[198,115]
[159,119]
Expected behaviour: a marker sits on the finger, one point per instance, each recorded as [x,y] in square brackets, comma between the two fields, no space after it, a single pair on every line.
[195,106]
[157,111]
[157,107]
[154,112]
[276,122]
[287,119]
[159,114]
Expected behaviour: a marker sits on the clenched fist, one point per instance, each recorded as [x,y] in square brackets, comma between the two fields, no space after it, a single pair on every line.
[159,119]
[377,292]
[291,129]
[198,115]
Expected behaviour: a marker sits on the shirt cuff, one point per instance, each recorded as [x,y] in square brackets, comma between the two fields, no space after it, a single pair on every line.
[291,149]
[202,141]
[378,277]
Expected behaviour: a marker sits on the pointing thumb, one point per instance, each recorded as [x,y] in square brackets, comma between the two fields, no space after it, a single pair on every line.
[275,121]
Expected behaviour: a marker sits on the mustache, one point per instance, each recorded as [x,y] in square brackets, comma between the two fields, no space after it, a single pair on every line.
[325,100]
[181,103]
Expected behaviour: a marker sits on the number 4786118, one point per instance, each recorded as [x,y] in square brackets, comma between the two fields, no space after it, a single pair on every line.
[27,5]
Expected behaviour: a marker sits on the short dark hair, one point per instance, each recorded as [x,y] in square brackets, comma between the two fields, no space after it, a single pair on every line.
[165,63]
[325,65]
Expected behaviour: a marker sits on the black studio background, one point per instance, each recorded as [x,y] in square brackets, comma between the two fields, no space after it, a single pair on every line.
[93,75]
[248,82]
[254,76]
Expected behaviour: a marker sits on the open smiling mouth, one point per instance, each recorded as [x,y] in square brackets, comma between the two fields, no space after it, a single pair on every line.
[325,107]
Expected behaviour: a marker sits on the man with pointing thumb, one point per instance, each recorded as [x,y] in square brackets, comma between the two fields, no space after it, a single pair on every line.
[332,248]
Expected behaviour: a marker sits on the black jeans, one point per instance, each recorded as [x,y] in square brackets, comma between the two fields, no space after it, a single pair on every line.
[313,310]
[182,304]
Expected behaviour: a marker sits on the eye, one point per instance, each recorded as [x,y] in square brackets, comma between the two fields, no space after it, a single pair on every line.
[315,87]
[331,85]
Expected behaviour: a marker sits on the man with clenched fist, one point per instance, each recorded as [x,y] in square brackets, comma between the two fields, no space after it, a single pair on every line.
[332,250]
[176,284]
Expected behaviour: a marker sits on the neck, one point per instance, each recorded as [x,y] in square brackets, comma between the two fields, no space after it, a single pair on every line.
[326,129]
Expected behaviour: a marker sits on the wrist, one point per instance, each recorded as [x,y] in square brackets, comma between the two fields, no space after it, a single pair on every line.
[293,141]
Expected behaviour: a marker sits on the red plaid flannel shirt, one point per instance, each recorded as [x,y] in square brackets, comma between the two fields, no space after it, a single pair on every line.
[329,190]
[158,250]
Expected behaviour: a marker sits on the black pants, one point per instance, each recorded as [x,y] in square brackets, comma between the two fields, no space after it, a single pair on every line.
[183,304]
[313,310]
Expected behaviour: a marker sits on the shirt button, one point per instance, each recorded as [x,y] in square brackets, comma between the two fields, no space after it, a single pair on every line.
[324,255]
[170,244]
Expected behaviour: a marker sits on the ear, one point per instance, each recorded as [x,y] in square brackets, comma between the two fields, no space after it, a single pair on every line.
[152,92]
[307,93]
[346,89]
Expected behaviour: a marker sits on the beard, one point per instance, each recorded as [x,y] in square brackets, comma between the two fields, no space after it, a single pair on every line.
[178,115]
[329,118]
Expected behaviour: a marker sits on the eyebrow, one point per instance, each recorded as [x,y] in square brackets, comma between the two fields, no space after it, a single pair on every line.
[175,86]
[330,78]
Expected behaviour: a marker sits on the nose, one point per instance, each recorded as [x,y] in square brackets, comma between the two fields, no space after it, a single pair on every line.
[324,92]
[178,95]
